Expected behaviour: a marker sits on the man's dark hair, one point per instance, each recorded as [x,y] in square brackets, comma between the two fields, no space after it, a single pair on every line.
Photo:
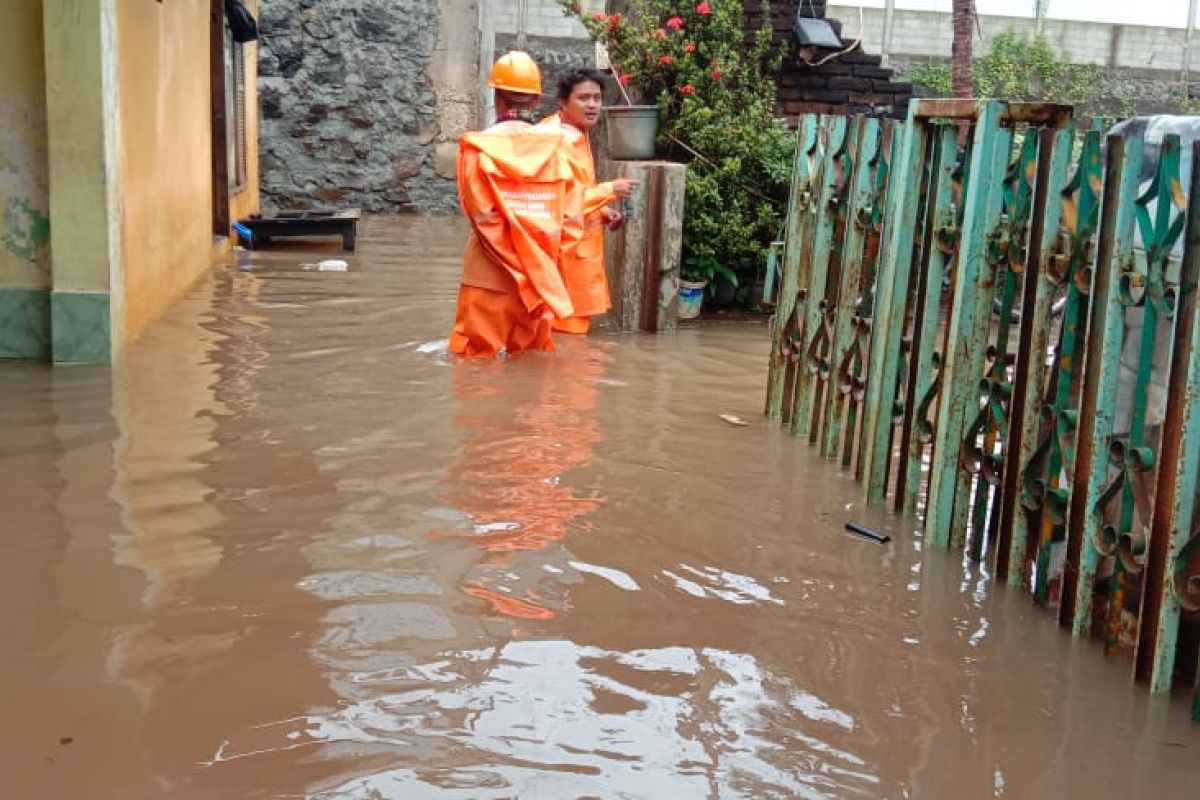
[568,82]
[518,99]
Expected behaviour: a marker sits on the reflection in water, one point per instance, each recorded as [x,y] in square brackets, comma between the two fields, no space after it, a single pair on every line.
[523,434]
[559,720]
[288,548]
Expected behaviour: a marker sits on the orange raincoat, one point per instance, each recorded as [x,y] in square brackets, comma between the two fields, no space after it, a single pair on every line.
[582,257]
[515,185]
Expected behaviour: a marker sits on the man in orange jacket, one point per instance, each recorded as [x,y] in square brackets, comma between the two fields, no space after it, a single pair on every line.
[515,184]
[580,97]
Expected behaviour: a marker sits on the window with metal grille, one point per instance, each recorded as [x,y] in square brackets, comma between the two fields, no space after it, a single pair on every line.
[235,111]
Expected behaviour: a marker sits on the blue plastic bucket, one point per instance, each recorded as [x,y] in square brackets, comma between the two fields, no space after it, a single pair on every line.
[691,297]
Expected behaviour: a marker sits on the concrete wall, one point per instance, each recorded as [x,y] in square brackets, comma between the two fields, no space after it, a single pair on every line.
[557,42]
[930,33]
[542,18]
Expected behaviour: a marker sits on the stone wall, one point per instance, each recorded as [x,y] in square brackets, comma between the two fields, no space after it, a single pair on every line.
[352,115]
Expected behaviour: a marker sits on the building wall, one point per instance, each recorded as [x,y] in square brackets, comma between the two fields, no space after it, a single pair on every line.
[24,184]
[542,18]
[166,150]
[930,34]
[106,132]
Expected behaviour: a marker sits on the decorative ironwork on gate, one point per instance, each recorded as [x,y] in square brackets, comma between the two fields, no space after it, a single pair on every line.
[986,316]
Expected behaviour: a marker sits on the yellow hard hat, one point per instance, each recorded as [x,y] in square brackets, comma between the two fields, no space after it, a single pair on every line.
[516,72]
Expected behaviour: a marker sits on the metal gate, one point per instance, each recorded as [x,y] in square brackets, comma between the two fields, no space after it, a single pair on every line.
[967,320]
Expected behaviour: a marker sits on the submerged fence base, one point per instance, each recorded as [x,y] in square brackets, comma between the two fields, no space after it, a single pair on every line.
[992,321]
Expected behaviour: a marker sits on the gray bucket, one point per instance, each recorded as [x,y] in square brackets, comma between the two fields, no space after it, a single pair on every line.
[631,131]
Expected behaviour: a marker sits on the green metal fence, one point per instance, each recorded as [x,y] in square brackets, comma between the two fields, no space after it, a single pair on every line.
[966,318]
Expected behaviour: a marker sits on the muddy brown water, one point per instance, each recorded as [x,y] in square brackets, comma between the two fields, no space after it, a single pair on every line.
[287,548]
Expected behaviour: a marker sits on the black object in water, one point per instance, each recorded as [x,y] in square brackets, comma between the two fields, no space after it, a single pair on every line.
[864,531]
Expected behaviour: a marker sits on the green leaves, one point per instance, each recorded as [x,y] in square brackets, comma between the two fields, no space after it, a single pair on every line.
[1022,68]
[711,79]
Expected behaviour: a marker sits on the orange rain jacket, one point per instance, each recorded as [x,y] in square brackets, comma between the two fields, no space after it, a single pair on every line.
[582,257]
[515,185]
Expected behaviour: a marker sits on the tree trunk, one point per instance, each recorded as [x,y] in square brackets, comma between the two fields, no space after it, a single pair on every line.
[960,54]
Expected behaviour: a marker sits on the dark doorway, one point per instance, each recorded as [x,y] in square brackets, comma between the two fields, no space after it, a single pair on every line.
[220,119]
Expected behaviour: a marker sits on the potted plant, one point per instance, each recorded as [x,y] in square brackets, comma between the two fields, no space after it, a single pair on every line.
[711,80]
[697,274]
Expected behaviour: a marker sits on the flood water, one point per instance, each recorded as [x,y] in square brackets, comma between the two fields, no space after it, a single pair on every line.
[287,548]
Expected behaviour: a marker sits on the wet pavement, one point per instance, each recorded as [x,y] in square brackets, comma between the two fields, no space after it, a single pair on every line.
[287,548]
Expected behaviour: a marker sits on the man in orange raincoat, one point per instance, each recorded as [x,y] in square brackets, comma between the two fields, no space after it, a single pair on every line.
[514,181]
[580,97]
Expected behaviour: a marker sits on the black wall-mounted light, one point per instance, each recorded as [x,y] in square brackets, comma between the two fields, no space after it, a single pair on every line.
[813,32]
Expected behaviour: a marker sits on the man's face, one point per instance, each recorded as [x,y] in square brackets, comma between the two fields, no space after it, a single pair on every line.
[582,108]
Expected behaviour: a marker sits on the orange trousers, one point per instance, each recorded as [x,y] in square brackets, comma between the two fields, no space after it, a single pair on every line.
[577,325]
[488,321]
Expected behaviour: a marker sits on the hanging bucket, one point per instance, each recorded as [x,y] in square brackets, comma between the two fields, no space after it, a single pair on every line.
[691,297]
[632,131]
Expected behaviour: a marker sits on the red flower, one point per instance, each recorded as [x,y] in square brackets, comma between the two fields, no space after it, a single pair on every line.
[675,23]
[690,47]
[666,61]
[704,8]
[623,78]
[576,8]
[615,19]
[716,74]
[687,88]
[599,16]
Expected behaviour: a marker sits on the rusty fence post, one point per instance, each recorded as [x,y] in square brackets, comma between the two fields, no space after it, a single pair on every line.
[798,222]
[829,200]
[851,291]
[1174,505]
[1025,414]
[1105,335]
[970,316]
[891,293]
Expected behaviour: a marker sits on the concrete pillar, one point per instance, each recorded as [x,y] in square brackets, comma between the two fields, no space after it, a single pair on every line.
[1187,46]
[456,76]
[642,259]
[889,20]
[84,153]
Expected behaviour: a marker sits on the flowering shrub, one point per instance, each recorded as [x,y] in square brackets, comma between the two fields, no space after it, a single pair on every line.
[710,78]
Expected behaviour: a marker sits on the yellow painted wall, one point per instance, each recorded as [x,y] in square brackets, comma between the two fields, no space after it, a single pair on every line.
[166,148]
[24,171]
